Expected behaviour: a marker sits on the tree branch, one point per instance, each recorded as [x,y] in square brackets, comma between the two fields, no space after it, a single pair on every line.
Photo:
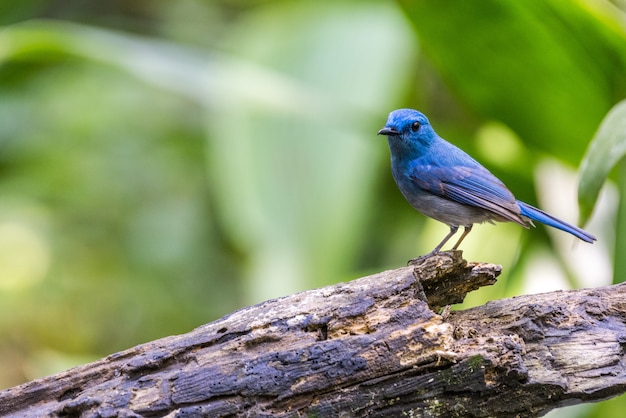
[370,347]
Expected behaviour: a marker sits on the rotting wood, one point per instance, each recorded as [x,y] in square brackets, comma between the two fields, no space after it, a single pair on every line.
[370,347]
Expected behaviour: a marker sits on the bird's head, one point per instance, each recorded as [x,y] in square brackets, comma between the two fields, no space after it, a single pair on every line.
[408,130]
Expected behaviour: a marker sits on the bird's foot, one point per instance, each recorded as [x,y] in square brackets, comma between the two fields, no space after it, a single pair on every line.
[419,260]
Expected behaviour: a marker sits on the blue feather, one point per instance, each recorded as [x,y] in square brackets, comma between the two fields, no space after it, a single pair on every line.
[547,219]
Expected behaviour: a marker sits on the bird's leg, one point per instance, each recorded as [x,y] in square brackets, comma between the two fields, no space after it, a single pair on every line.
[466,230]
[453,229]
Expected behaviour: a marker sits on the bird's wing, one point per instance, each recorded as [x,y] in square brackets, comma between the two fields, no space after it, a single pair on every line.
[473,186]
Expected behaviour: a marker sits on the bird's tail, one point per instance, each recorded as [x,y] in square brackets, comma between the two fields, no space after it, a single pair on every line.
[545,218]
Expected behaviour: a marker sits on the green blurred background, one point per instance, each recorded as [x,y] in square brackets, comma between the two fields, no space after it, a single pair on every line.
[163,163]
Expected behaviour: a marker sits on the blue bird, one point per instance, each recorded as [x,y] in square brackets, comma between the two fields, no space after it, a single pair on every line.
[446,184]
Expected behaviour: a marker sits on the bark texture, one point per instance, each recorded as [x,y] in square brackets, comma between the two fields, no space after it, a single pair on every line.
[375,346]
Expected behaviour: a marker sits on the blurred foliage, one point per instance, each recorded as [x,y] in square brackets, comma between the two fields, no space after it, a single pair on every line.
[164,163]
[606,151]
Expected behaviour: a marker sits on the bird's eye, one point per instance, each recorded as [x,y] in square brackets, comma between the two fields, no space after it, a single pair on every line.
[415,127]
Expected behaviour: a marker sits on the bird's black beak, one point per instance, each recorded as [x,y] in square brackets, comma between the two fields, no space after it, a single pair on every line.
[388,132]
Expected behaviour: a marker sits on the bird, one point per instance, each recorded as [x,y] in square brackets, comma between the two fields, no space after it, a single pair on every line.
[444,183]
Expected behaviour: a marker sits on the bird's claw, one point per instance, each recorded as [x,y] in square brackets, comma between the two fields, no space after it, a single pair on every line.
[419,260]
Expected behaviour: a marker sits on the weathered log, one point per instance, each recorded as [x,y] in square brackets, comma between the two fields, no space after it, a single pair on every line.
[370,347]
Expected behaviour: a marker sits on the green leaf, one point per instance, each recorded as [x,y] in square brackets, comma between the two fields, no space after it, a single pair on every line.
[605,150]
[527,65]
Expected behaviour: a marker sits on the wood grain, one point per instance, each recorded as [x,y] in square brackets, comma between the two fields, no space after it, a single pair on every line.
[376,346]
